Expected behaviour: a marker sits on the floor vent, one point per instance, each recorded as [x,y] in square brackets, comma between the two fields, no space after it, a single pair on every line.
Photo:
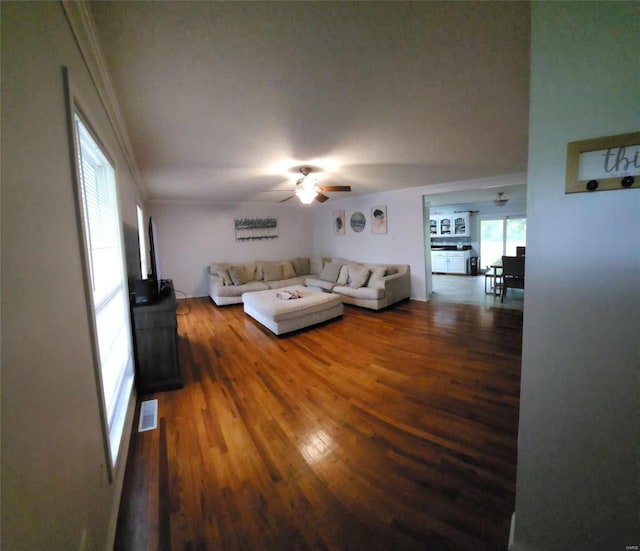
[148,415]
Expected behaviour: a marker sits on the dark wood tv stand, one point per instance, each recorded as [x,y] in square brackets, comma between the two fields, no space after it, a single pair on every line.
[155,336]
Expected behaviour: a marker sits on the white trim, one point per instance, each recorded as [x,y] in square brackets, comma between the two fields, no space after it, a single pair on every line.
[83,29]
[517,179]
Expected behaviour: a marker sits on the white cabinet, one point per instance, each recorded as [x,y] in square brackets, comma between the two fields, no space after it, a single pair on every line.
[449,225]
[439,262]
[449,262]
[461,225]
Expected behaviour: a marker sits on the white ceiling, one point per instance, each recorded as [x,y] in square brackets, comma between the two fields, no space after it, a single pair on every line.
[221,99]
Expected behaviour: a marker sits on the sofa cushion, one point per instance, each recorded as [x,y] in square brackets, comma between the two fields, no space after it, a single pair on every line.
[238,275]
[376,274]
[330,272]
[279,283]
[259,266]
[237,290]
[287,270]
[343,276]
[302,266]
[319,283]
[221,270]
[316,264]
[272,272]
[250,271]
[358,276]
[361,292]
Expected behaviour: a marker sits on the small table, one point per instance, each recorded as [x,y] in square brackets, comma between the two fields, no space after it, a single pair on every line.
[494,276]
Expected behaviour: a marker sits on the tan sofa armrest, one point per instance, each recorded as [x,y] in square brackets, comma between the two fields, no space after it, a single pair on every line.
[396,286]
[214,281]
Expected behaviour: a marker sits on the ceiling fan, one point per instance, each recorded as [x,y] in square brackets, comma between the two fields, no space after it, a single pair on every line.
[307,188]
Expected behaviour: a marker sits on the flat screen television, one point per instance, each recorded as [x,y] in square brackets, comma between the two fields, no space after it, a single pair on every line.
[155,274]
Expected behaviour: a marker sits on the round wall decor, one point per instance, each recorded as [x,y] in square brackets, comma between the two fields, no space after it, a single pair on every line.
[358,222]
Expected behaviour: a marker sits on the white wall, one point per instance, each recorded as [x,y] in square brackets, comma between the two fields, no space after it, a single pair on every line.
[578,467]
[54,481]
[402,244]
[193,236]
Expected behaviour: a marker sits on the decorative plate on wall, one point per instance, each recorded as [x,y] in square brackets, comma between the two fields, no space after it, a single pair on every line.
[358,222]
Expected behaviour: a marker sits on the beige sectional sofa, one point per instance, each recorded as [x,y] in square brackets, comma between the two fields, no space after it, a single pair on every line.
[373,286]
[228,281]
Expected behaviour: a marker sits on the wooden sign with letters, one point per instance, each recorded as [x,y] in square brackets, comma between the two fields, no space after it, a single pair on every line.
[603,164]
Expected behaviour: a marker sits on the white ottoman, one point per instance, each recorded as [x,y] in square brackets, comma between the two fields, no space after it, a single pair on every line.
[284,316]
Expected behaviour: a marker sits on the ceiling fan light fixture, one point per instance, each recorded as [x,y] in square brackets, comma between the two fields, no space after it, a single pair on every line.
[307,189]
[500,200]
[306,194]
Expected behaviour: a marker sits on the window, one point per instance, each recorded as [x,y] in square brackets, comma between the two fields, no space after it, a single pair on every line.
[106,279]
[501,236]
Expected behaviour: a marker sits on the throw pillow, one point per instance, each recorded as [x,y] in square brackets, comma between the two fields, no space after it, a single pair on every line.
[221,271]
[259,272]
[250,271]
[301,266]
[315,264]
[377,273]
[358,276]
[272,272]
[330,272]
[343,276]
[287,270]
[238,275]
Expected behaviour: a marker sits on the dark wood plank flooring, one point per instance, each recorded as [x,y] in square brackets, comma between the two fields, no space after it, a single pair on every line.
[380,430]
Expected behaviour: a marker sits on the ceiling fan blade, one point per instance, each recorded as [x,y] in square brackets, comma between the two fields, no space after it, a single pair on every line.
[283,200]
[321,198]
[335,188]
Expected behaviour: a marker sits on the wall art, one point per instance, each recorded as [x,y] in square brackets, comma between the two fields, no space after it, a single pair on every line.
[338,222]
[379,219]
[255,229]
[603,164]
[358,222]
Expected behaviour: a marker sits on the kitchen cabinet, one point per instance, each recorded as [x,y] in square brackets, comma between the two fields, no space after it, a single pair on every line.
[449,225]
[449,262]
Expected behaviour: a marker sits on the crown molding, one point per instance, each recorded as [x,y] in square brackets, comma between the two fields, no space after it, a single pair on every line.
[83,27]
[505,180]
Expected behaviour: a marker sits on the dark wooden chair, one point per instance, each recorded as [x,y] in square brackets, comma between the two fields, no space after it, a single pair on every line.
[512,274]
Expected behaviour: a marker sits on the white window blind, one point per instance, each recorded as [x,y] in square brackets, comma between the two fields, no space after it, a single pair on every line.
[101,224]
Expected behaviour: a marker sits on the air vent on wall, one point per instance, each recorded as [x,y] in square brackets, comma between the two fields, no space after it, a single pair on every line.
[148,415]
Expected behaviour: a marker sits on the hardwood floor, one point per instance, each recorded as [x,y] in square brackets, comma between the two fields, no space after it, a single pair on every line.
[380,430]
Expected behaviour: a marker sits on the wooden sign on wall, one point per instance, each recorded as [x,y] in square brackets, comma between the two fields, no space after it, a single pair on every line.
[603,164]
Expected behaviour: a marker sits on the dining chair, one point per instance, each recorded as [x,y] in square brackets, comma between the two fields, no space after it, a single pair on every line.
[512,274]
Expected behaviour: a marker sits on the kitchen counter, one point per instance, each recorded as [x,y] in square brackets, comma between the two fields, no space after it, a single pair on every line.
[450,248]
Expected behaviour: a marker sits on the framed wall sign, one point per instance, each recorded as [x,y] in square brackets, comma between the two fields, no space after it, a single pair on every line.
[602,164]
[255,229]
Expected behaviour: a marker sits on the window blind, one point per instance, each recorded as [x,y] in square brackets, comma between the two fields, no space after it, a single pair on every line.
[101,224]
